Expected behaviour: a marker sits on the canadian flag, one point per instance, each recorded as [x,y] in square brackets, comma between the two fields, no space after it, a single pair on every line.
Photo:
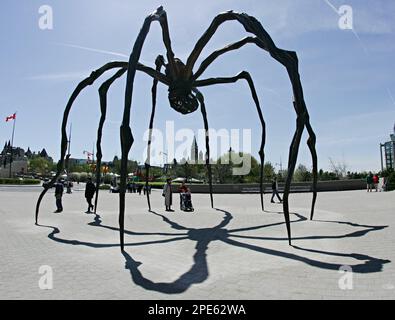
[11,117]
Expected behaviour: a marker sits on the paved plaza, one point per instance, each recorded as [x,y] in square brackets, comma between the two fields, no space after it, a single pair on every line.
[232,252]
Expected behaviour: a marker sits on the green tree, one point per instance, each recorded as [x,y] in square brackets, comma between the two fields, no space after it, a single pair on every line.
[80,168]
[223,170]
[327,176]
[115,165]
[222,173]
[302,174]
[40,165]
[184,170]
[201,172]
[268,171]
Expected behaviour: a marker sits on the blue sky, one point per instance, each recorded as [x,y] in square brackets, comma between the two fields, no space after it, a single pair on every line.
[348,77]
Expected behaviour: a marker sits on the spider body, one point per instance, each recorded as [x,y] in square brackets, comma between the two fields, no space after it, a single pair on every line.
[181,97]
[183,84]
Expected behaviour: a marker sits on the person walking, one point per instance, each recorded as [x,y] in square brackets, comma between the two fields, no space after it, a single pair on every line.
[69,186]
[167,193]
[275,190]
[369,182]
[134,189]
[376,181]
[147,189]
[185,197]
[90,190]
[139,188]
[58,196]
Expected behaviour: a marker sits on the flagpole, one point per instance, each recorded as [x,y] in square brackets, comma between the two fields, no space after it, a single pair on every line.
[12,142]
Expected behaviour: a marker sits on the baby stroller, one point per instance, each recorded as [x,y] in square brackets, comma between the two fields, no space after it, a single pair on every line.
[186,202]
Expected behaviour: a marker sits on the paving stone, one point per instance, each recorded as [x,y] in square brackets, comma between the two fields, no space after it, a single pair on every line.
[237,253]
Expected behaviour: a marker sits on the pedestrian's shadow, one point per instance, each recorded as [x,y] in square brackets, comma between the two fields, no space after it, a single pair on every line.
[199,271]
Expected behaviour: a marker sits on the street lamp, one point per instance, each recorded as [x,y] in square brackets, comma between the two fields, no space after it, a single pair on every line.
[164,154]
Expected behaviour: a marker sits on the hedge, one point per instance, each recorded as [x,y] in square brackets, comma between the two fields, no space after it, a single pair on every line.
[157,184]
[104,187]
[19,181]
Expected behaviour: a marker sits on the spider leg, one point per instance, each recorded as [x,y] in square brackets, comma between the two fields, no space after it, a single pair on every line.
[311,144]
[293,155]
[311,141]
[103,109]
[249,23]
[289,60]
[312,138]
[246,76]
[81,86]
[167,42]
[233,46]
[125,131]
[153,73]
[159,62]
[200,97]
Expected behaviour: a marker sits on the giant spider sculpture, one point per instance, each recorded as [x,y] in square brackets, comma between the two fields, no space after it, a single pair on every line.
[185,97]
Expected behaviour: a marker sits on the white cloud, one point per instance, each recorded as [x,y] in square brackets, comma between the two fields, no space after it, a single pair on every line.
[62,76]
[391,96]
[94,50]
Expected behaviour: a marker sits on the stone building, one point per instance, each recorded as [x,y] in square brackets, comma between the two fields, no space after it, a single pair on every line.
[14,155]
[19,159]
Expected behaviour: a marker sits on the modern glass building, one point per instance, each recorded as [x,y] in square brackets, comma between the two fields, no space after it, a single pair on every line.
[389,153]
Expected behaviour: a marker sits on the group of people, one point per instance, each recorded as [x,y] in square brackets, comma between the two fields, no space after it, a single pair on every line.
[185,193]
[372,182]
[138,188]
[167,193]
[90,190]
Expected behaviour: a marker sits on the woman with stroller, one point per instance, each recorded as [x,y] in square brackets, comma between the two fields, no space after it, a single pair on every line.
[185,197]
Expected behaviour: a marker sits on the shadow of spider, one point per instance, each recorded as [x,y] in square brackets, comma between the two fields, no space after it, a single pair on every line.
[198,272]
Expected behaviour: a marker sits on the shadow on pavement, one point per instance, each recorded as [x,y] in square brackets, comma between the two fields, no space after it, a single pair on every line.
[199,272]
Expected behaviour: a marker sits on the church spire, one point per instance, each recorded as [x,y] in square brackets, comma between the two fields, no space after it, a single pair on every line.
[194,151]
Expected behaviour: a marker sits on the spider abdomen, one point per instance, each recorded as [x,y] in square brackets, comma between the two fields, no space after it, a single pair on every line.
[181,97]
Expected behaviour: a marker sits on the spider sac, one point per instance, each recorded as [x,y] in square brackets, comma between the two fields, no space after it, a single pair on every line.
[181,97]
